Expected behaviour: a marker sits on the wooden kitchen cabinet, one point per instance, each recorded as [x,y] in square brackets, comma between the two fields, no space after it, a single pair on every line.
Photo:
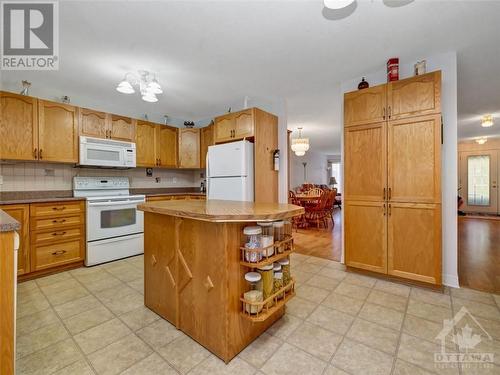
[366,235]
[414,241]
[206,139]
[365,106]
[167,146]
[415,96]
[57,132]
[235,126]
[366,166]
[189,148]
[21,212]
[122,128]
[146,149]
[414,159]
[93,123]
[18,127]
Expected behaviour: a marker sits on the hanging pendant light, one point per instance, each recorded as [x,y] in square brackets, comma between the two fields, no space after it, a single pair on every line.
[481,140]
[487,121]
[300,145]
[337,4]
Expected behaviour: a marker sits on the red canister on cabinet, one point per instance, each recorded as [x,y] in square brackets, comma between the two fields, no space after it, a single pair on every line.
[393,69]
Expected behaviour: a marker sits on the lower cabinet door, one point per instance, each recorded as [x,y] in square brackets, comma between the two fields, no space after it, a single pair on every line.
[414,241]
[57,254]
[366,235]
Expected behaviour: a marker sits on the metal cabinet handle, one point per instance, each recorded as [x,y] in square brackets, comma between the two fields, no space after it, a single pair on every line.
[40,154]
[35,153]
[383,113]
[384,209]
[59,233]
[389,112]
[384,192]
[389,210]
[59,221]
[59,252]
[59,208]
[390,194]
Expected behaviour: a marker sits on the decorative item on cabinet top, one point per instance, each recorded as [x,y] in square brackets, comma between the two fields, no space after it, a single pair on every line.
[363,84]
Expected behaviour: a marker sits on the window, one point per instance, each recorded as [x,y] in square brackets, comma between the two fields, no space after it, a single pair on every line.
[335,169]
[478,180]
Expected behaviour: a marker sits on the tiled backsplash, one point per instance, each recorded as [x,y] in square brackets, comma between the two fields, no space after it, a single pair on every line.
[21,176]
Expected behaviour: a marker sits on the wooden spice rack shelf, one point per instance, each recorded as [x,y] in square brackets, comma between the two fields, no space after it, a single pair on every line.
[270,305]
[286,245]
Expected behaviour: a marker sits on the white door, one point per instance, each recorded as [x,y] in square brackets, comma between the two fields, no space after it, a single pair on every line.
[230,188]
[479,171]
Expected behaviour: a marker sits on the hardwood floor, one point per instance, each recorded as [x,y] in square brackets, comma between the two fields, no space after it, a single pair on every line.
[322,243]
[479,253]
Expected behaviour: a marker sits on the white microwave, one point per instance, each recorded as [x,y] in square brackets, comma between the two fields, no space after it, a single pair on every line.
[106,153]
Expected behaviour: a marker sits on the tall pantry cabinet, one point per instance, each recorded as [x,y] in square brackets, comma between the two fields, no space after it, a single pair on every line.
[392,174]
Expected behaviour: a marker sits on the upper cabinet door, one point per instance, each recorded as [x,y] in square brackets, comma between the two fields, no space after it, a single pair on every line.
[146,144]
[365,167]
[93,123]
[416,96]
[18,127]
[244,126]
[365,106]
[122,128]
[206,139]
[189,148]
[224,128]
[57,132]
[414,160]
[166,138]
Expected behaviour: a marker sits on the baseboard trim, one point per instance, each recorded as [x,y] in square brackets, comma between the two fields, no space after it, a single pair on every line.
[451,280]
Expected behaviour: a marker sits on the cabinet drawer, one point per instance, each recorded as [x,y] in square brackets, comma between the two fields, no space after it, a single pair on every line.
[57,235]
[47,256]
[60,208]
[56,222]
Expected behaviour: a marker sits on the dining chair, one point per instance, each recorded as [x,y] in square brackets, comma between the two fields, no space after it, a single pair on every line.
[316,213]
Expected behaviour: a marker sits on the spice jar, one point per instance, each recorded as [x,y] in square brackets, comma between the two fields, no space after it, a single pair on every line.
[253,244]
[254,294]
[279,234]
[266,273]
[277,282]
[277,270]
[285,268]
[267,239]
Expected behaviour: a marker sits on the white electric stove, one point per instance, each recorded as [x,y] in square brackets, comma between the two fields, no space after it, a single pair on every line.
[115,228]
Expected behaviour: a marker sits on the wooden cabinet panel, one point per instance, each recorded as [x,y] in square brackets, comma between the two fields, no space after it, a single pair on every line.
[57,254]
[167,145]
[224,127]
[414,159]
[93,123]
[206,139]
[414,96]
[244,124]
[47,223]
[57,132]
[160,266]
[146,144]
[57,209]
[365,162]
[366,236]
[189,148]
[18,127]
[60,234]
[122,128]
[21,213]
[414,241]
[365,106]
[202,282]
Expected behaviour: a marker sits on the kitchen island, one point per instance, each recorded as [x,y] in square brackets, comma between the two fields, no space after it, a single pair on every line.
[194,272]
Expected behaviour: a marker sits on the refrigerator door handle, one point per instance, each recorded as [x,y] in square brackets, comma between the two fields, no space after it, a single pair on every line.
[207,176]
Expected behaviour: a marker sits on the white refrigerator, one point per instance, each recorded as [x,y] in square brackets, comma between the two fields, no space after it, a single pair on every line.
[230,171]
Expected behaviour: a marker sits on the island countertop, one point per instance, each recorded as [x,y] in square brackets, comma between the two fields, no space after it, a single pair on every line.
[223,211]
[8,223]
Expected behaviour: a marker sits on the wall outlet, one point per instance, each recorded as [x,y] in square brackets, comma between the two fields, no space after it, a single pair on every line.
[174,180]
[149,172]
[158,180]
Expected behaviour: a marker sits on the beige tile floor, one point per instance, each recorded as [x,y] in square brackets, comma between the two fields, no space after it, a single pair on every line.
[92,321]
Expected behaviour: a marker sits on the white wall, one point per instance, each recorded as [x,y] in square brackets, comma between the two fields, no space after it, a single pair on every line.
[316,169]
[447,63]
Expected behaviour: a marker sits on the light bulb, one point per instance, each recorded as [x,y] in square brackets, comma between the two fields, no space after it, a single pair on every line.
[149,97]
[487,121]
[155,87]
[300,153]
[125,87]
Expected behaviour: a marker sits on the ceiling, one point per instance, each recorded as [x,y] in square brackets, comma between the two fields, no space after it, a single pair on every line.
[209,54]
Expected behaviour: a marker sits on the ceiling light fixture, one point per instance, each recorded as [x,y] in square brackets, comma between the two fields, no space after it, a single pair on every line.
[148,84]
[487,121]
[337,4]
[300,145]
[482,140]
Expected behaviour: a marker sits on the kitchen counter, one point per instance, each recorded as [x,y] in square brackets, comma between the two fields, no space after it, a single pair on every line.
[26,197]
[194,276]
[7,223]
[223,211]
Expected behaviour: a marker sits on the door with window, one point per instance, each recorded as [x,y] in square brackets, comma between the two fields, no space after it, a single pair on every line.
[479,172]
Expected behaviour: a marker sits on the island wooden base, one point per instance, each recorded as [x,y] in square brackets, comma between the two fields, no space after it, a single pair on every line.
[194,279]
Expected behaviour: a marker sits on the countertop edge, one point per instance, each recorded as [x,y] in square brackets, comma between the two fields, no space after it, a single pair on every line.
[8,223]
